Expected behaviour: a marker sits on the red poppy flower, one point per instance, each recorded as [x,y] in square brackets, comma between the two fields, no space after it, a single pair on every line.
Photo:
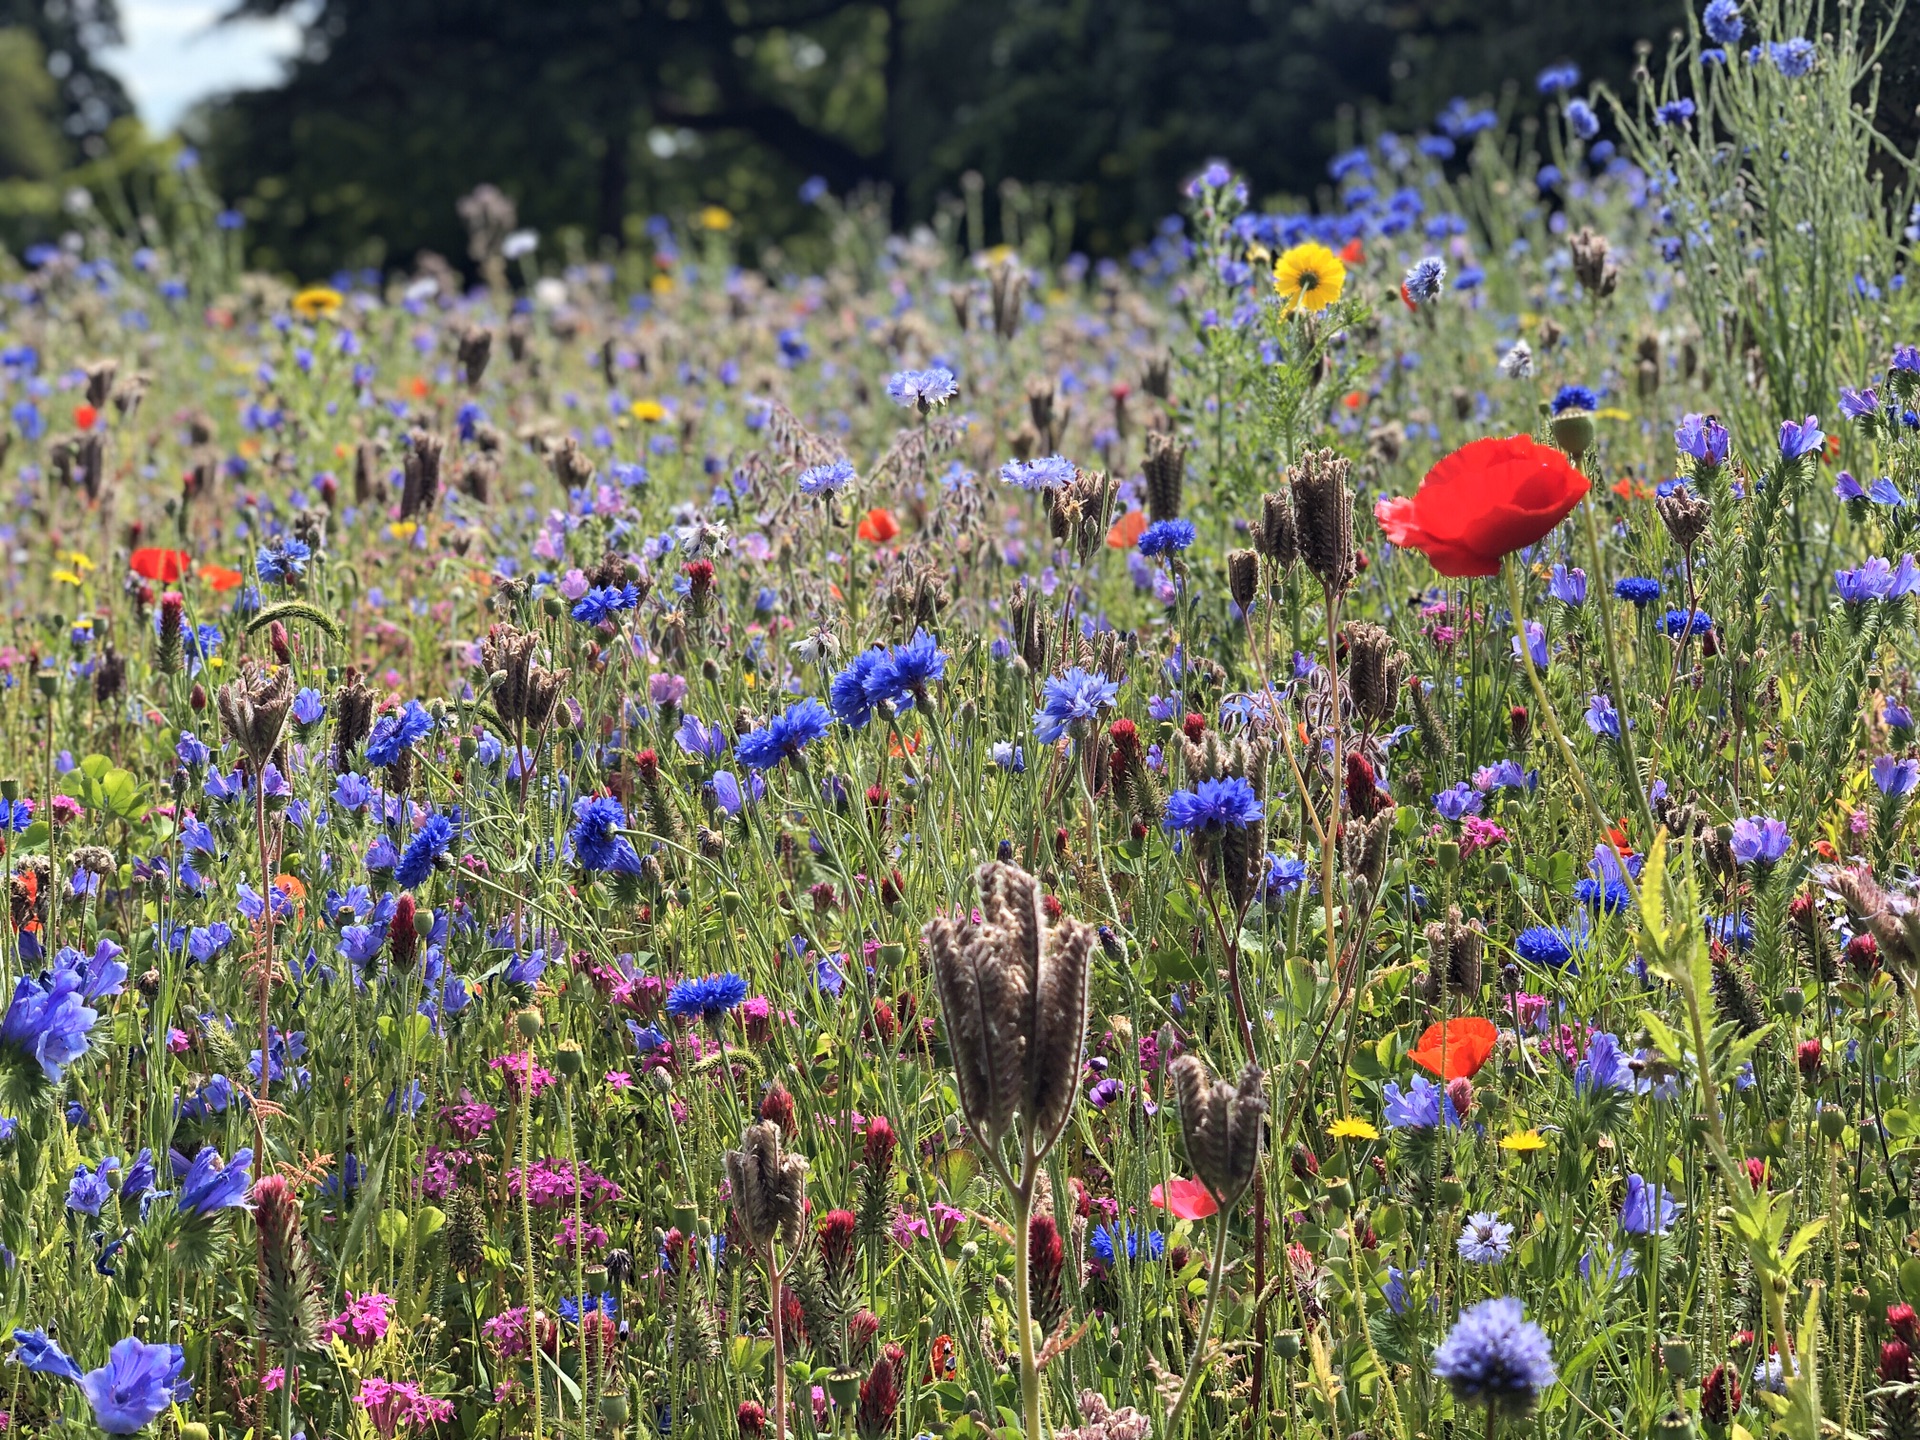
[1353,253]
[165,566]
[1629,488]
[84,416]
[1484,501]
[221,578]
[879,526]
[1127,530]
[1185,1199]
[1467,1044]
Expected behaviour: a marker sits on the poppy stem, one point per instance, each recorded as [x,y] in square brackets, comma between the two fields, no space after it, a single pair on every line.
[1195,1362]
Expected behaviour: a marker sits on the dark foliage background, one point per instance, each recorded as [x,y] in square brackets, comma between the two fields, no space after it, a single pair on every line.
[593,114]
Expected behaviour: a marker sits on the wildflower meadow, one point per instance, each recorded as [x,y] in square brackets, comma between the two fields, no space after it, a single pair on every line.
[1304,833]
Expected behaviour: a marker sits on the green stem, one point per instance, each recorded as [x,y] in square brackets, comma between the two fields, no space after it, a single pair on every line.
[1195,1364]
[1023,1304]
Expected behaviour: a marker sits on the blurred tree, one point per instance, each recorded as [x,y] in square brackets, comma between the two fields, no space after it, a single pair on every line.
[30,144]
[590,113]
[70,35]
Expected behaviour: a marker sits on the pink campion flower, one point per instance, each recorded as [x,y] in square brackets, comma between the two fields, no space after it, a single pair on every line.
[440,1171]
[404,1407]
[363,1324]
[1479,833]
[470,1119]
[514,1067]
[620,1079]
[1860,822]
[178,1042]
[273,1379]
[597,1239]
[1528,1010]
[574,583]
[66,810]
[946,1220]
[908,1228]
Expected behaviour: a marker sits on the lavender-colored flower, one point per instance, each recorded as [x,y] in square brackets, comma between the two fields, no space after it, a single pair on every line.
[1858,404]
[38,1352]
[825,479]
[135,1386]
[1419,1107]
[1049,473]
[1894,776]
[1800,439]
[1536,645]
[1485,1239]
[1759,840]
[1702,438]
[667,690]
[923,389]
[1424,281]
[1605,1067]
[1602,719]
[1496,1357]
[210,1186]
[1459,801]
[1647,1209]
[1568,586]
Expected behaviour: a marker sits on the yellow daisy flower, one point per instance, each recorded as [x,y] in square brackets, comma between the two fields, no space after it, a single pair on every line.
[651,411]
[79,561]
[1524,1142]
[1351,1129]
[716,217]
[316,301]
[66,577]
[1310,277]
[660,284]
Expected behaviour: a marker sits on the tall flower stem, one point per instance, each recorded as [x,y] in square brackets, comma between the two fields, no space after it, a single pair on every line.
[526,1233]
[1023,1300]
[1194,1363]
[1330,833]
[1611,650]
[778,1326]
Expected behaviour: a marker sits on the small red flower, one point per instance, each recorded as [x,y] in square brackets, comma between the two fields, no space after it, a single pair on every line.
[1482,502]
[84,416]
[1127,530]
[1184,1199]
[878,526]
[166,566]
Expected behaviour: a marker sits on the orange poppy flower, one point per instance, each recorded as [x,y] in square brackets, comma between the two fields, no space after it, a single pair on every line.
[1184,1199]
[1465,1043]
[879,526]
[1629,488]
[942,1364]
[290,885]
[165,566]
[1353,399]
[1127,530]
[221,578]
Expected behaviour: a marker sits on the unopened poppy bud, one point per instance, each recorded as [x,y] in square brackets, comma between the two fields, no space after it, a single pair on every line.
[530,1023]
[1573,433]
[1460,1095]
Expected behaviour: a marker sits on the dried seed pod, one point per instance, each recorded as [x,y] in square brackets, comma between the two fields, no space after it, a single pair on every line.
[476,348]
[769,1186]
[1165,468]
[1243,577]
[1687,516]
[1734,998]
[1323,516]
[253,711]
[1455,949]
[422,473]
[1277,537]
[1374,667]
[1221,1124]
[352,719]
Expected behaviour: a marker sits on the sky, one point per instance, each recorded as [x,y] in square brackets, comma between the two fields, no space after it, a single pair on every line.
[175,54]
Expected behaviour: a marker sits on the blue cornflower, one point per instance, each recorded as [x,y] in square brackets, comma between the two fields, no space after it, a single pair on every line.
[1733,930]
[1424,281]
[1580,116]
[1608,896]
[1691,624]
[1544,945]
[1213,806]
[825,479]
[210,1186]
[907,670]
[1285,875]
[1495,1357]
[1674,112]
[1759,840]
[1485,1239]
[1164,537]
[1703,438]
[1647,1209]
[397,732]
[1574,398]
[1638,589]
[1568,586]
[923,389]
[707,997]
[283,562]
[139,1381]
[1721,20]
[597,841]
[1049,473]
[1102,1242]
[1072,702]
[1800,439]
[1894,777]
[1555,78]
[426,847]
[602,603]
[851,692]
[785,735]
[1793,58]
[1420,1107]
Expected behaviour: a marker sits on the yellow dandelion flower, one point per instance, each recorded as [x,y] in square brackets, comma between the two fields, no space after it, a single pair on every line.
[716,217]
[1524,1142]
[1612,413]
[1309,277]
[1351,1129]
[651,411]
[403,529]
[79,561]
[660,284]
[66,577]
[317,301]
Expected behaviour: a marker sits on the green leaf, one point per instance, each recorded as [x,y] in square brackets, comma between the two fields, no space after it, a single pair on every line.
[1653,892]
[1664,1040]
[391,1227]
[427,1222]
